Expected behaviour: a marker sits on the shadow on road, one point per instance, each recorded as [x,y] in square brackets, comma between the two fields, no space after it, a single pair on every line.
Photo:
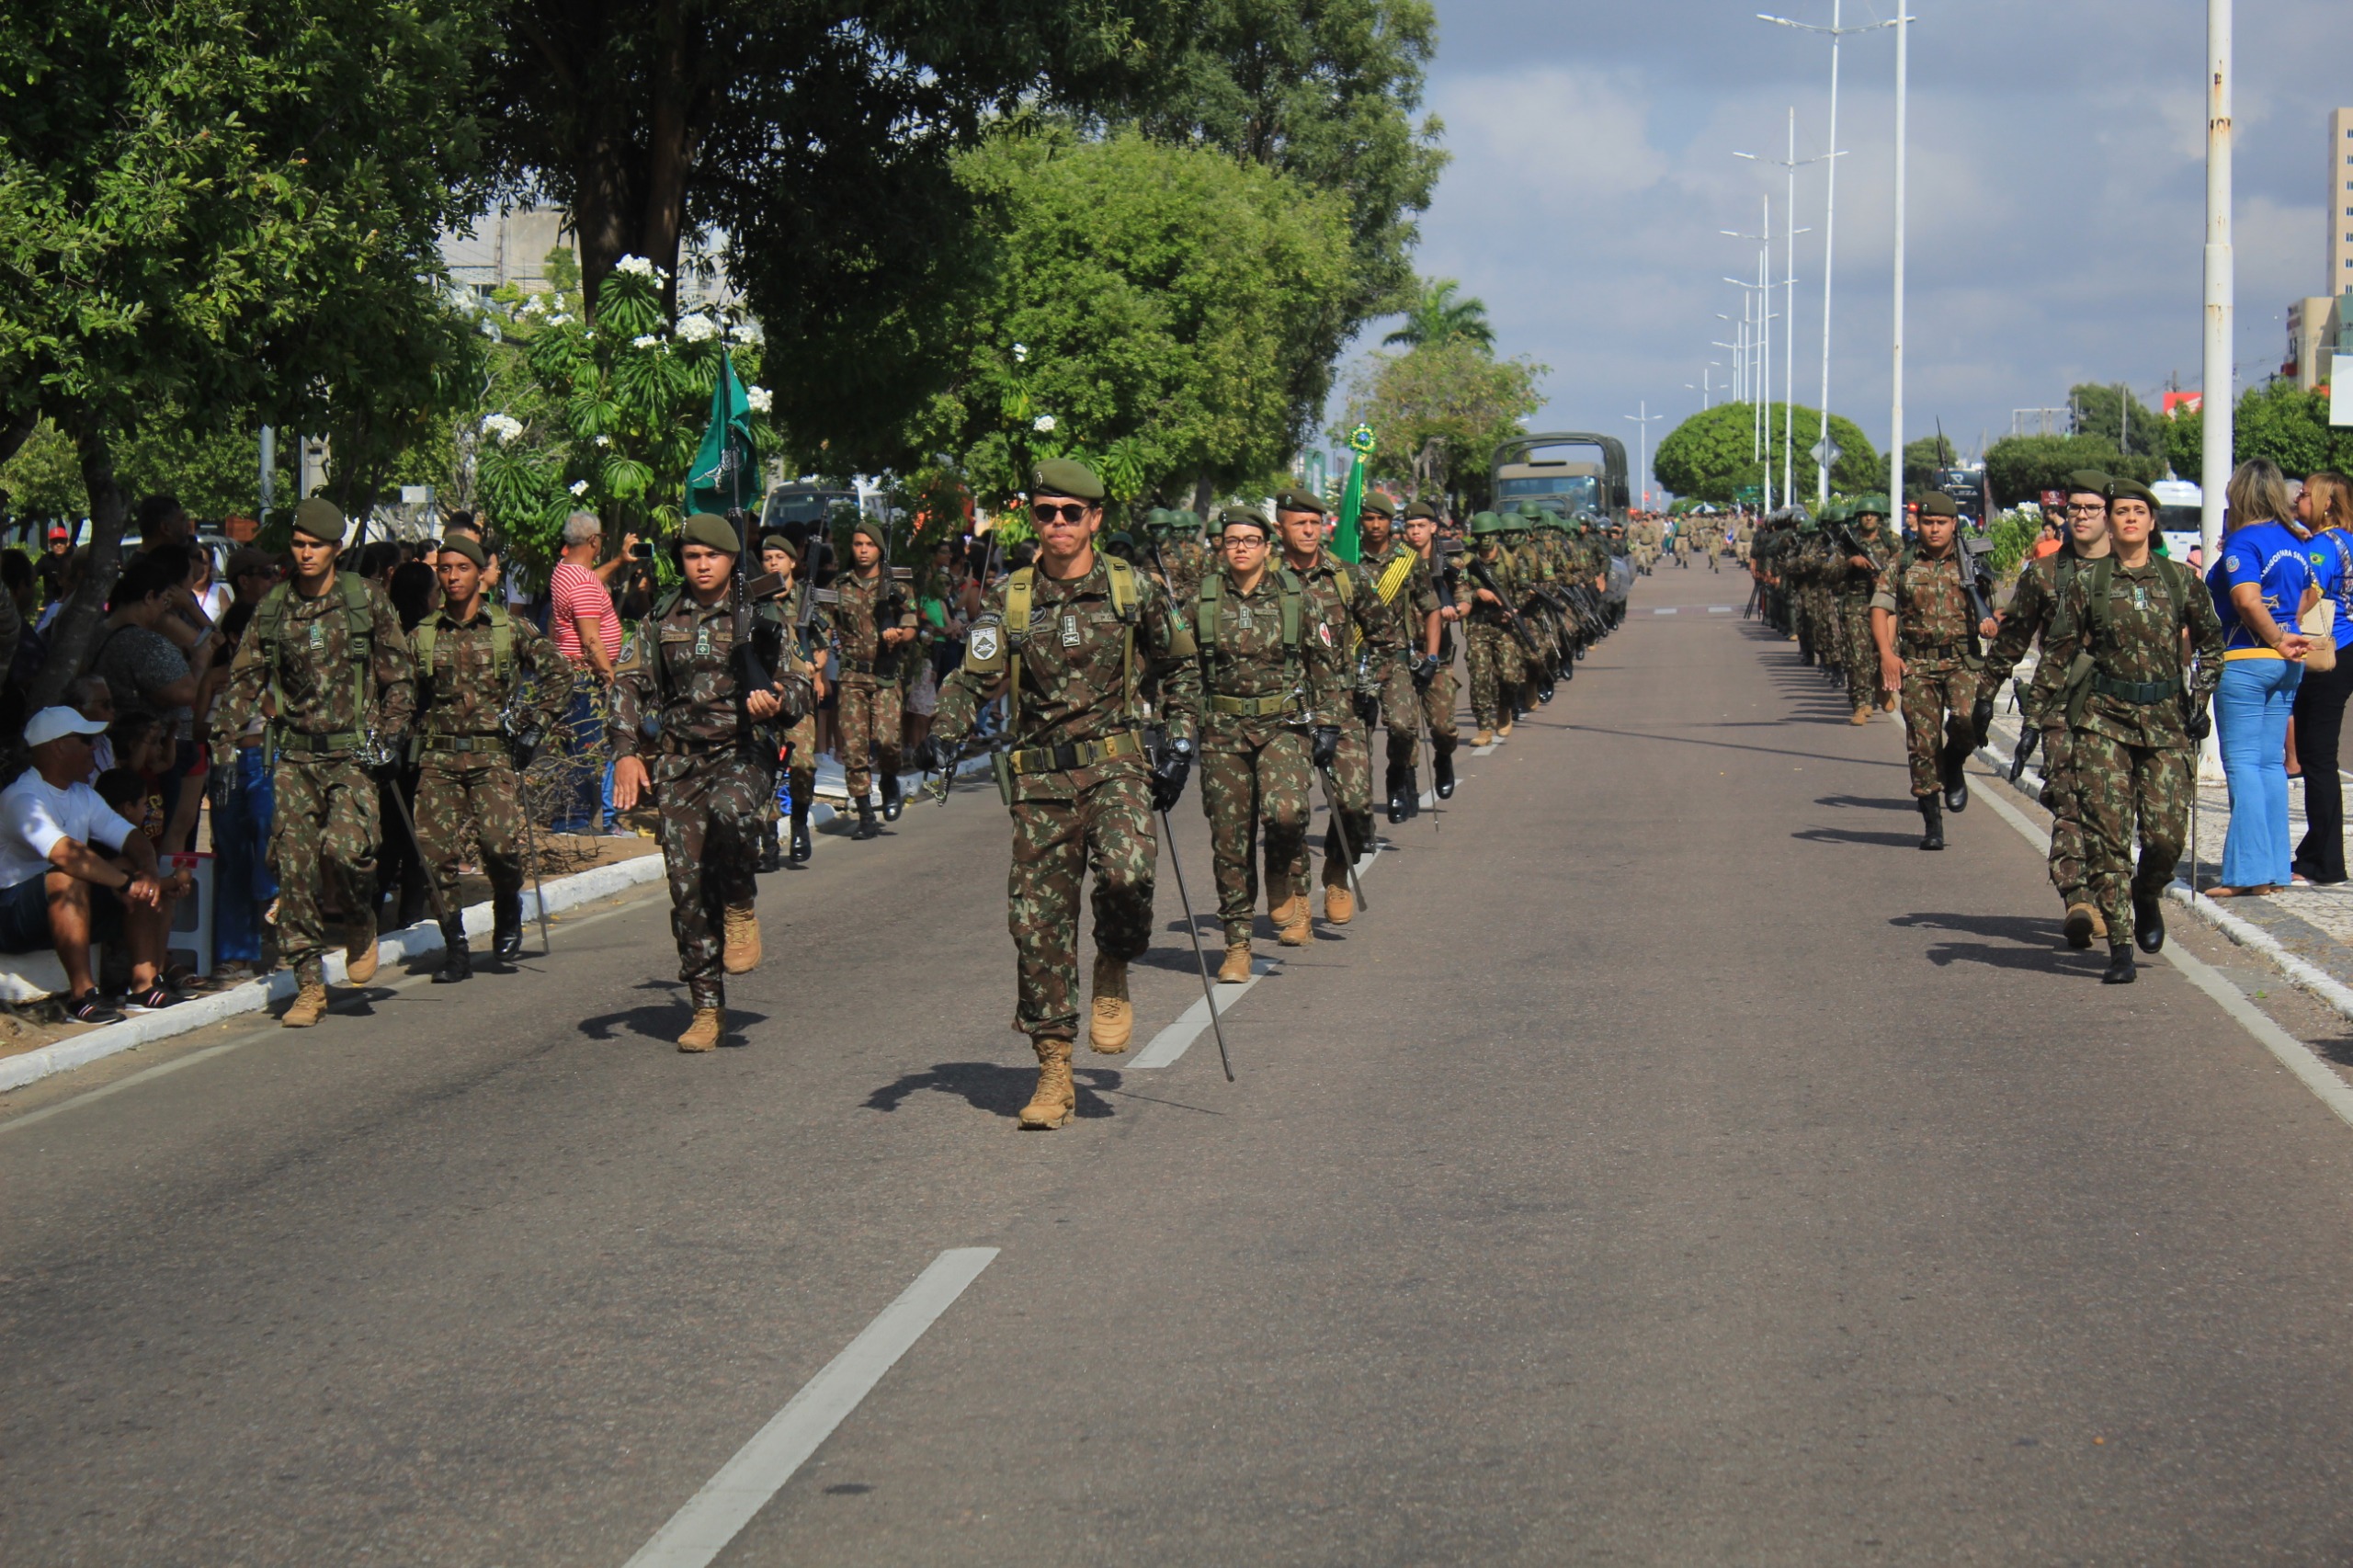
[665,1020]
[996,1088]
[2034,943]
[1849,835]
[1735,746]
[1906,804]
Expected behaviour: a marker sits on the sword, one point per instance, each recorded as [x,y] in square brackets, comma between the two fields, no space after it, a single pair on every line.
[432,882]
[1200,961]
[1340,827]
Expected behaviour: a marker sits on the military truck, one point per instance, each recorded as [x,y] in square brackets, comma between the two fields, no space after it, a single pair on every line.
[1535,468]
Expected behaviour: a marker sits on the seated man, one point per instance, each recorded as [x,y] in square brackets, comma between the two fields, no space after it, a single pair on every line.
[58,890]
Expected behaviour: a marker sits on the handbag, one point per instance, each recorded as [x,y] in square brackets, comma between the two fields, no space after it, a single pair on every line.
[2319,623]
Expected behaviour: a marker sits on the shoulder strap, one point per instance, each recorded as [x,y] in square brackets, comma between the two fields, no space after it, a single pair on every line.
[1294,607]
[1018,589]
[502,644]
[422,640]
[1122,578]
[1206,601]
[1394,575]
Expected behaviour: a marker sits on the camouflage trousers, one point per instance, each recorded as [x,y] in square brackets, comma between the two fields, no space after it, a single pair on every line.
[1858,652]
[2067,871]
[323,840]
[797,747]
[865,727]
[1829,632]
[1401,715]
[1496,671]
[477,791]
[1937,698]
[2121,789]
[714,807]
[1352,781]
[1254,792]
[1064,826]
[1438,705]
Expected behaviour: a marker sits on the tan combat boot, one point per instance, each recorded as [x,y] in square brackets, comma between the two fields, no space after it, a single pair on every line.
[1056,1100]
[1236,971]
[1339,904]
[742,953]
[704,1033]
[2081,918]
[1114,1019]
[358,952]
[1503,728]
[310,999]
[1483,738]
[1862,716]
[1289,915]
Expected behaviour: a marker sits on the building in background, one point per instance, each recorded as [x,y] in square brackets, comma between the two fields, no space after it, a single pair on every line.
[2315,324]
[511,246]
[2340,201]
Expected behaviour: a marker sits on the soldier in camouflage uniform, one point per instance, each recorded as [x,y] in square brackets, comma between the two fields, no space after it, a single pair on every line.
[1346,612]
[1395,567]
[1435,609]
[2134,720]
[873,622]
[2041,584]
[713,773]
[325,651]
[807,654]
[1492,649]
[1858,580]
[469,658]
[1272,692]
[1926,636]
[1069,641]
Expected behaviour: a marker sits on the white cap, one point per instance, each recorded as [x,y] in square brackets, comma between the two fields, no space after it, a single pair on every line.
[50,722]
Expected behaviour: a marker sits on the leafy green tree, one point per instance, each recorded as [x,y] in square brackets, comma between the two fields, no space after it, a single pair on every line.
[1438,317]
[2020,468]
[2273,421]
[44,479]
[1439,413]
[1921,458]
[228,208]
[1710,454]
[2113,414]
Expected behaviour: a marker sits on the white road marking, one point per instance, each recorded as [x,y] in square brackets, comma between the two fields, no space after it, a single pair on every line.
[1176,1040]
[2286,1049]
[700,1531]
[1668,610]
[1487,750]
[1720,609]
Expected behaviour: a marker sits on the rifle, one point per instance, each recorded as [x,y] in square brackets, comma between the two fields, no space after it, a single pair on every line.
[1977,575]
[759,645]
[1480,569]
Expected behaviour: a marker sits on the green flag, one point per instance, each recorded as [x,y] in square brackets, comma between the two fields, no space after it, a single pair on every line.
[1344,541]
[725,473]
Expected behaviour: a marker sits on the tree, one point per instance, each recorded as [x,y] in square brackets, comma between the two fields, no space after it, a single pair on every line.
[2020,468]
[2273,421]
[1439,413]
[1921,458]
[2113,414]
[44,479]
[1438,317]
[220,207]
[1709,455]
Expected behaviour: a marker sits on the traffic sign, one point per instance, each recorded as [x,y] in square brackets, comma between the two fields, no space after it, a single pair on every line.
[1826,452]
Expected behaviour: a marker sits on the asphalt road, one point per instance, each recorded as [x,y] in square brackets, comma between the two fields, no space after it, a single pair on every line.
[1673,1165]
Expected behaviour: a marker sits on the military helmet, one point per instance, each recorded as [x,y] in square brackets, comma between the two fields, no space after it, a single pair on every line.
[1484,523]
[1158,521]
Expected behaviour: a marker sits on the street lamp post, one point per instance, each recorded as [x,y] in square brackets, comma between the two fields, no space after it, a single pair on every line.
[1895,413]
[1645,419]
[1764,417]
[1791,231]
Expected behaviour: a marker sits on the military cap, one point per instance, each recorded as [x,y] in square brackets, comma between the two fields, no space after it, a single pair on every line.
[1378,506]
[1065,476]
[2132,490]
[1877,505]
[466,547]
[1246,516]
[1485,523]
[872,529]
[1299,501]
[2087,482]
[321,519]
[1936,503]
[778,541]
[1421,509]
[713,532]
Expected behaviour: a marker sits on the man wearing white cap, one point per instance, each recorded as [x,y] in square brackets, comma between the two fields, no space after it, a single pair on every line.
[59,888]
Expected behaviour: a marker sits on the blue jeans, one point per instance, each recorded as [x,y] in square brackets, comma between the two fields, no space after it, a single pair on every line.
[244,885]
[2251,710]
[583,792]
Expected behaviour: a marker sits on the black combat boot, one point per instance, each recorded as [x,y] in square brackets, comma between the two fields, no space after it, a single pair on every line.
[800,835]
[457,962]
[865,826]
[1956,774]
[1933,822]
[1396,793]
[771,851]
[1412,793]
[892,803]
[506,924]
[1442,772]
[2120,965]
[2149,921]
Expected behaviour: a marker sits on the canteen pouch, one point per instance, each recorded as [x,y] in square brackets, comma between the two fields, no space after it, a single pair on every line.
[2079,686]
[1001,770]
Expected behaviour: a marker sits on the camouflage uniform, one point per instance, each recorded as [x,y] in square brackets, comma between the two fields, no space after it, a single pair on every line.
[2032,604]
[1345,609]
[1492,651]
[1393,677]
[2132,759]
[1857,652]
[1936,636]
[325,702]
[1258,700]
[464,773]
[712,769]
[866,716]
[797,742]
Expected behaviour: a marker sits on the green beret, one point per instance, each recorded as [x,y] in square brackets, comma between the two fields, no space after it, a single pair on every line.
[1299,501]
[1936,503]
[778,541]
[321,519]
[1247,516]
[1378,506]
[467,546]
[2088,481]
[1421,509]
[873,529]
[1876,505]
[1065,476]
[713,532]
[1484,523]
[2132,490]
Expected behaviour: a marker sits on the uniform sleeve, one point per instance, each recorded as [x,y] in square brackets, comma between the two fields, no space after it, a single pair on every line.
[2206,640]
[240,699]
[396,669]
[2029,610]
[1169,646]
[633,698]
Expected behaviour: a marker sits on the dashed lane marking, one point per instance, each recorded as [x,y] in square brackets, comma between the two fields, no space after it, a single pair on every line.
[1172,1043]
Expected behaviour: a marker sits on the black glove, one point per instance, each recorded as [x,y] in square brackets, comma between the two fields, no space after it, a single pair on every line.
[2200,725]
[1981,718]
[1322,746]
[1169,775]
[932,755]
[1425,671]
[1367,707]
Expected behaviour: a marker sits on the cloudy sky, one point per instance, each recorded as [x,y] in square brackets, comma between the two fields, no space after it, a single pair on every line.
[2057,193]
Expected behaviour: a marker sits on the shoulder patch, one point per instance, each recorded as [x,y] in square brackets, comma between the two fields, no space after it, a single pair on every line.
[983,640]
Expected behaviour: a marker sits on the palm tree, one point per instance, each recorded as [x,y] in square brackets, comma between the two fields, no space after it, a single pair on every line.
[1438,317]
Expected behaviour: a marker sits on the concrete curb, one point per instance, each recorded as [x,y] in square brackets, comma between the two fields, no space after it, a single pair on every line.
[396,947]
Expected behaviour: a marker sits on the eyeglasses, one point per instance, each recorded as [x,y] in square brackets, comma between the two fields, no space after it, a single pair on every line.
[1046,512]
[1244,542]
[2092,510]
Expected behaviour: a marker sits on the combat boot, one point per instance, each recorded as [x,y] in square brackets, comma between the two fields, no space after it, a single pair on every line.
[1485,737]
[1115,1019]
[892,802]
[1932,819]
[1442,773]
[1412,793]
[2081,927]
[1056,1100]
[2120,965]
[457,962]
[1339,904]
[1289,915]
[709,1027]
[771,850]
[866,828]
[359,951]
[800,835]
[1861,716]
[309,997]
[1236,971]
[742,953]
[1503,730]
[1397,798]
[2149,922]
[506,924]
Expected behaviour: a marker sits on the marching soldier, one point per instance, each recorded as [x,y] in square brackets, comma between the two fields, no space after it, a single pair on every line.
[1926,636]
[325,648]
[873,622]
[1437,608]
[1492,649]
[1857,581]
[808,628]
[2135,720]
[469,656]
[712,777]
[1069,640]
[1394,566]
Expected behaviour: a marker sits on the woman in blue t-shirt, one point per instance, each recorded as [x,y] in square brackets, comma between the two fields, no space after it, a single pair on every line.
[2261,583]
[2325,509]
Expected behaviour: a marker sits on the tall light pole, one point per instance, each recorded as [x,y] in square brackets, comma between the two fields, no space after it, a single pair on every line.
[1645,419]
[1793,164]
[1829,216]
[1765,395]
[1895,414]
[2221,284]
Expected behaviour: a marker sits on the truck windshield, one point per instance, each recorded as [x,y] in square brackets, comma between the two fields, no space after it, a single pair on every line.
[1576,494]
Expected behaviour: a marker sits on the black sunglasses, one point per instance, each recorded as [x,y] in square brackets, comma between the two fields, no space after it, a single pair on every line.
[1072,512]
